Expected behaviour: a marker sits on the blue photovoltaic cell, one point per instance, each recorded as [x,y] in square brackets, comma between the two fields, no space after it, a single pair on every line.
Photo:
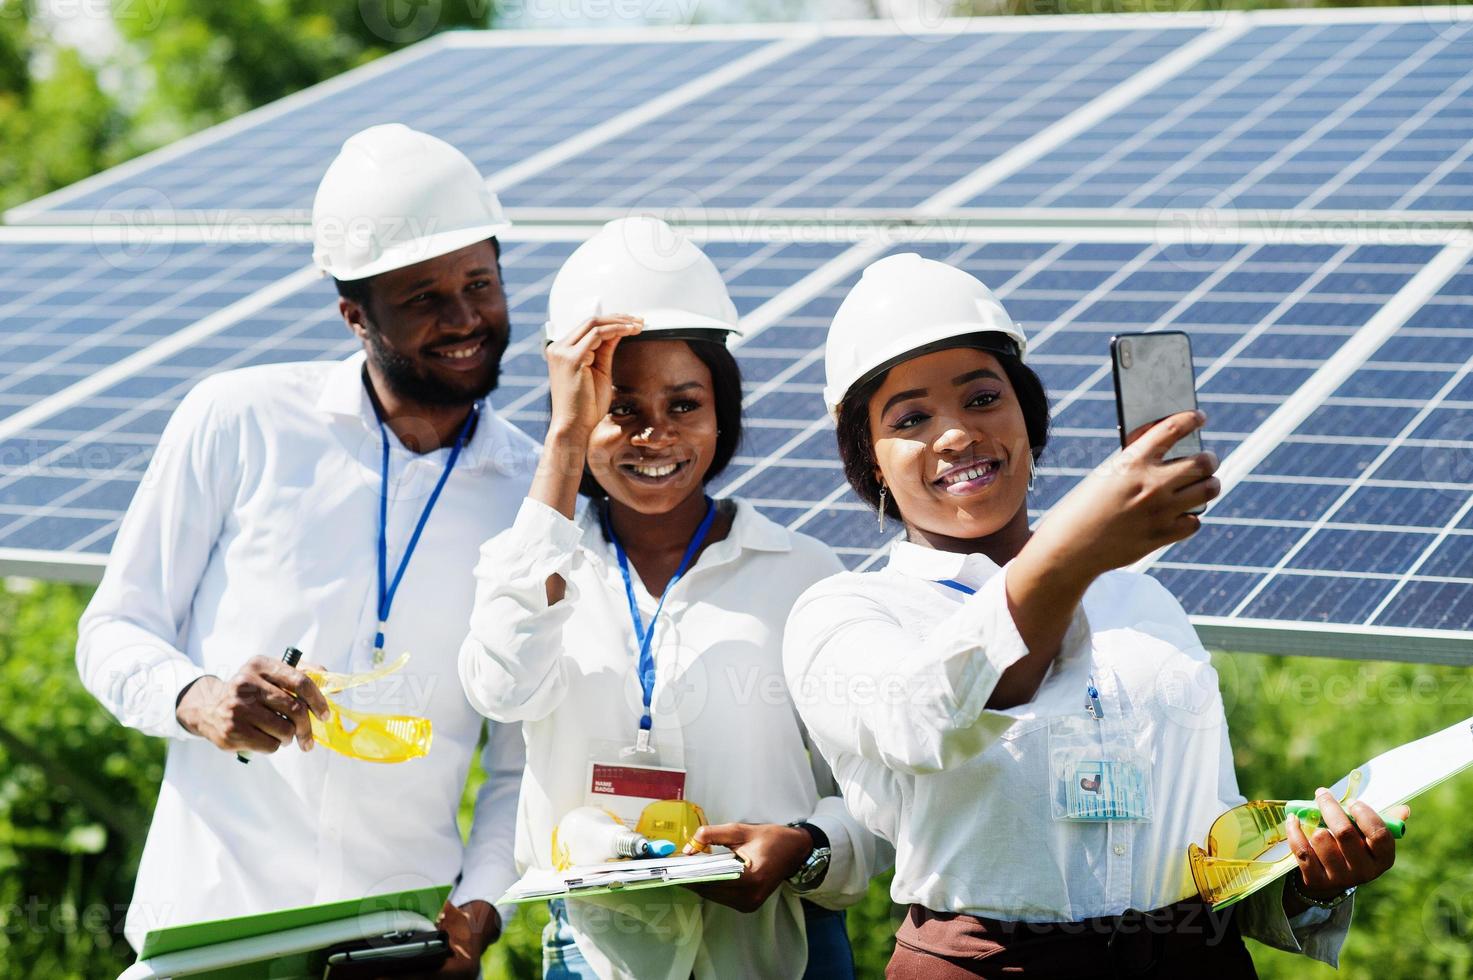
[498,103]
[1339,116]
[1374,492]
[871,121]
[1071,298]
[68,310]
[65,484]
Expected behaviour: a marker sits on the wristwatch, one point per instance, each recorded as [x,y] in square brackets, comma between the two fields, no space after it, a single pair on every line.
[1319,903]
[816,865]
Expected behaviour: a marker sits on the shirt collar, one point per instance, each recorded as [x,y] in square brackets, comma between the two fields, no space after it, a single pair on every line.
[492,445]
[971,570]
[751,530]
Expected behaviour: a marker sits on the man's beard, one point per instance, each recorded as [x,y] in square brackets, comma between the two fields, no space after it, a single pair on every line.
[406,380]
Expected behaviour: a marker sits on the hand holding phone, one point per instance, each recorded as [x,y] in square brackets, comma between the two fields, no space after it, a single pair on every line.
[1154,380]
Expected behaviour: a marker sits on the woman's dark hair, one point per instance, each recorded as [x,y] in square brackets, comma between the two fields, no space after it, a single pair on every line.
[857,450]
[726,396]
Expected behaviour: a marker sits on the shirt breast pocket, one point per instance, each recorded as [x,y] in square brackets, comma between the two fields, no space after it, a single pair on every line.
[1021,759]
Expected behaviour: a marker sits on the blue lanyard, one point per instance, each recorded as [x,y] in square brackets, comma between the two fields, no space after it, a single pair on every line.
[1091,692]
[647,637]
[387,589]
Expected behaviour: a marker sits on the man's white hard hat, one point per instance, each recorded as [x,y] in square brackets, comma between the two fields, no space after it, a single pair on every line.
[394,197]
[641,267]
[902,304]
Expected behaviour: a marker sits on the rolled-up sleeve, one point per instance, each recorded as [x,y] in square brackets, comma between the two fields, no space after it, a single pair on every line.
[511,662]
[865,684]
[128,640]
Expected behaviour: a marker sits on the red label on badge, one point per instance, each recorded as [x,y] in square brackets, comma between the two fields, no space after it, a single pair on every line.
[638,781]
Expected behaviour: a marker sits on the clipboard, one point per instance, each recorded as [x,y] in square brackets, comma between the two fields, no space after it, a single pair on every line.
[539,885]
[285,943]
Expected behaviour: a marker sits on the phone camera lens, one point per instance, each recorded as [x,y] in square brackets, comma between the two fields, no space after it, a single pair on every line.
[1125,356]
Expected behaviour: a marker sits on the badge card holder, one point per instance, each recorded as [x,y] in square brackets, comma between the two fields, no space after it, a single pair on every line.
[624,779]
[1097,770]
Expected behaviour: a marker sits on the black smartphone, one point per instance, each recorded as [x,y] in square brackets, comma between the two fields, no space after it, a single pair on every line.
[397,953]
[1154,379]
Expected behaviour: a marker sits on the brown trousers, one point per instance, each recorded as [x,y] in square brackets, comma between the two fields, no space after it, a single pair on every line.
[1182,940]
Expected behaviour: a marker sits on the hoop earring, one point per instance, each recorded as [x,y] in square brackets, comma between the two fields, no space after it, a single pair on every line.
[883,493]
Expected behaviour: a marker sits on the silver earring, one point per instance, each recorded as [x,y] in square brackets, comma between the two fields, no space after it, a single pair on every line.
[1032,473]
[883,492]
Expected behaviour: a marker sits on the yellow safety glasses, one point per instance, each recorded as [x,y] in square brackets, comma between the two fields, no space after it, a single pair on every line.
[673,820]
[1247,848]
[365,735]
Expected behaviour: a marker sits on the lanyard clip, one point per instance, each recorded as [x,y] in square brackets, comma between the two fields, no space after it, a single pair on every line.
[1093,704]
[642,740]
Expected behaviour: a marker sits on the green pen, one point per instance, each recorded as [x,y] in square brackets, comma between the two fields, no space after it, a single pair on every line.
[1308,813]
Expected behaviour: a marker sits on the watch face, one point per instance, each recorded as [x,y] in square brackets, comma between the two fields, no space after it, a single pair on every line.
[813,869]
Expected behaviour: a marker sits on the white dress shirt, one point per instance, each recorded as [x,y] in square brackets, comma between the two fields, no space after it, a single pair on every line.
[568,672]
[255,529]
[891,672]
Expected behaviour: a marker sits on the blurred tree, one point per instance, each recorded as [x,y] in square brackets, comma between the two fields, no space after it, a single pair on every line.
[57,125]
[76,792]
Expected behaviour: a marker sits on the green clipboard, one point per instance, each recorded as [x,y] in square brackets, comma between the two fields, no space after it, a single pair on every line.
[254,938]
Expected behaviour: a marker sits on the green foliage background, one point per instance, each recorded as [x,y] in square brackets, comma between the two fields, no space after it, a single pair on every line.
[76,790]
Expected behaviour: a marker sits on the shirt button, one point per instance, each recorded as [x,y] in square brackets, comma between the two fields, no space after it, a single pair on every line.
[1119,849]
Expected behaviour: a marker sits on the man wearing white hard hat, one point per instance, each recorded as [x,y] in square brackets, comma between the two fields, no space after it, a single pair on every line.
[333,507]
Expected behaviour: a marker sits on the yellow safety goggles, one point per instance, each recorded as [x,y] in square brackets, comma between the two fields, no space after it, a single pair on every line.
[365,735]
[1244,850]
[673,820]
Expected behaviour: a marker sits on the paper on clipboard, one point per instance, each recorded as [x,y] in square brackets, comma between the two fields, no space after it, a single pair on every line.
[541,884]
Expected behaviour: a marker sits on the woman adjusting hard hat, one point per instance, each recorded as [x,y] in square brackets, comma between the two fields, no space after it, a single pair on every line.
[629,632]
[1034,764]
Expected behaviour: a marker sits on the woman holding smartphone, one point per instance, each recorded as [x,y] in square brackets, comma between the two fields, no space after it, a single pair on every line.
[1051,735]
[641,633]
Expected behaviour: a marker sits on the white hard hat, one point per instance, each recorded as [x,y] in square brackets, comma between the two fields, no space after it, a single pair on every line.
[394,197]
[903,303]
[640,267]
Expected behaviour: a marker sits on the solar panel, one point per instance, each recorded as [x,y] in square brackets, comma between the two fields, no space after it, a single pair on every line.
[1332,351]
[1336,116]
[69,475]
[912,116]
[1369,498]
[499,103]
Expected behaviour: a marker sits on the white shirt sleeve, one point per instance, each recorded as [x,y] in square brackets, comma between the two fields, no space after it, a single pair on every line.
[865,684]
[511,664]
[856,855]
[489,867]
[129,638]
